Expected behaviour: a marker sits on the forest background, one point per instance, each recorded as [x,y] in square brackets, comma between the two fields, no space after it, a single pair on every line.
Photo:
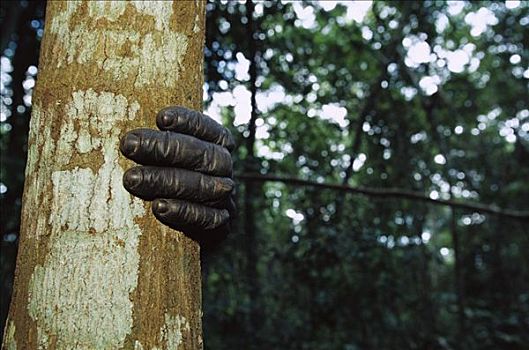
[418,112]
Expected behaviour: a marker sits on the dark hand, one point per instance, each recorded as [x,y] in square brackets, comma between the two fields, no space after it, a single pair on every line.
[186,171]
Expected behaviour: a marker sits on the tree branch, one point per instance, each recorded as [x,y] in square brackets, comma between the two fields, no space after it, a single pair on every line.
[390,193]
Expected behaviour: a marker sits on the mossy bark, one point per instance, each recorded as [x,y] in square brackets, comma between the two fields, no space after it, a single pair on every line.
[95,270]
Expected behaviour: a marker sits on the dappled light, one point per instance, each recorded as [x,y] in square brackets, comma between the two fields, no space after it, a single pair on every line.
[382,167]
[396,95]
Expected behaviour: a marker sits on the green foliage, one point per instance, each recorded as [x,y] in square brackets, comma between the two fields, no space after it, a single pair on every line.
[356,272]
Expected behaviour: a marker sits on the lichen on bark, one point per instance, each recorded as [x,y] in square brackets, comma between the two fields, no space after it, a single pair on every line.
[94,269]
[93,235]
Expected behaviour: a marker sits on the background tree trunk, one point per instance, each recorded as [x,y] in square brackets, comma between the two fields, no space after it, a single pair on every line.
[251,189]
[95,270]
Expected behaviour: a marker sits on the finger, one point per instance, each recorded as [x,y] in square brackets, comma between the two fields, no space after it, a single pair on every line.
[149,182]
[177,213]
[163,148]
[190,122]
[231,207]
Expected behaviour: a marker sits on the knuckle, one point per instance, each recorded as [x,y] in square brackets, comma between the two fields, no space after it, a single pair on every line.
[229,141]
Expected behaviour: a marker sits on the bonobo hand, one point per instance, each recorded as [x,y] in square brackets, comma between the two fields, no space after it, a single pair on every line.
[186,171]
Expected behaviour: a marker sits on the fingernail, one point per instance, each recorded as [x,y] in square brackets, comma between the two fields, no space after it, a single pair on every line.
[129,144]
[132,178]
[226,185]
[160,206]
[166,120]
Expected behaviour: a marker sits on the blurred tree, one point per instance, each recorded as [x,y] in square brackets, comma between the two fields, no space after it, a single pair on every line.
[377,101]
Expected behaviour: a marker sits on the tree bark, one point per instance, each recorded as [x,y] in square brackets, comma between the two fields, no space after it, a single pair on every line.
[95,270]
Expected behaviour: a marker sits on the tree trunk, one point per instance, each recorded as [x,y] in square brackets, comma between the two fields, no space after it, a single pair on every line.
[458,278]
[95,270]
[251,189]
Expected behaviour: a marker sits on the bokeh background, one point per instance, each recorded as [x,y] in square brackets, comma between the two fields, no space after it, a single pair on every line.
[423,96]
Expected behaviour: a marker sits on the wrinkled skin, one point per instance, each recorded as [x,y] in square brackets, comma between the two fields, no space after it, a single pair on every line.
[186,171]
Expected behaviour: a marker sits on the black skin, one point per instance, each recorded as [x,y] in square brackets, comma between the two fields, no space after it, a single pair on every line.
[186,171]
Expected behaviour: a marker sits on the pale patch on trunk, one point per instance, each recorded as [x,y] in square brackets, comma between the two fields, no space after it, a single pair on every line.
[38,173]
[171,332]
[37,136]
[110,10]
[42,339]
[89,111]
[9,336]
[161,11]
[196,25]
[93,248]
[101,280]
[126,53]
